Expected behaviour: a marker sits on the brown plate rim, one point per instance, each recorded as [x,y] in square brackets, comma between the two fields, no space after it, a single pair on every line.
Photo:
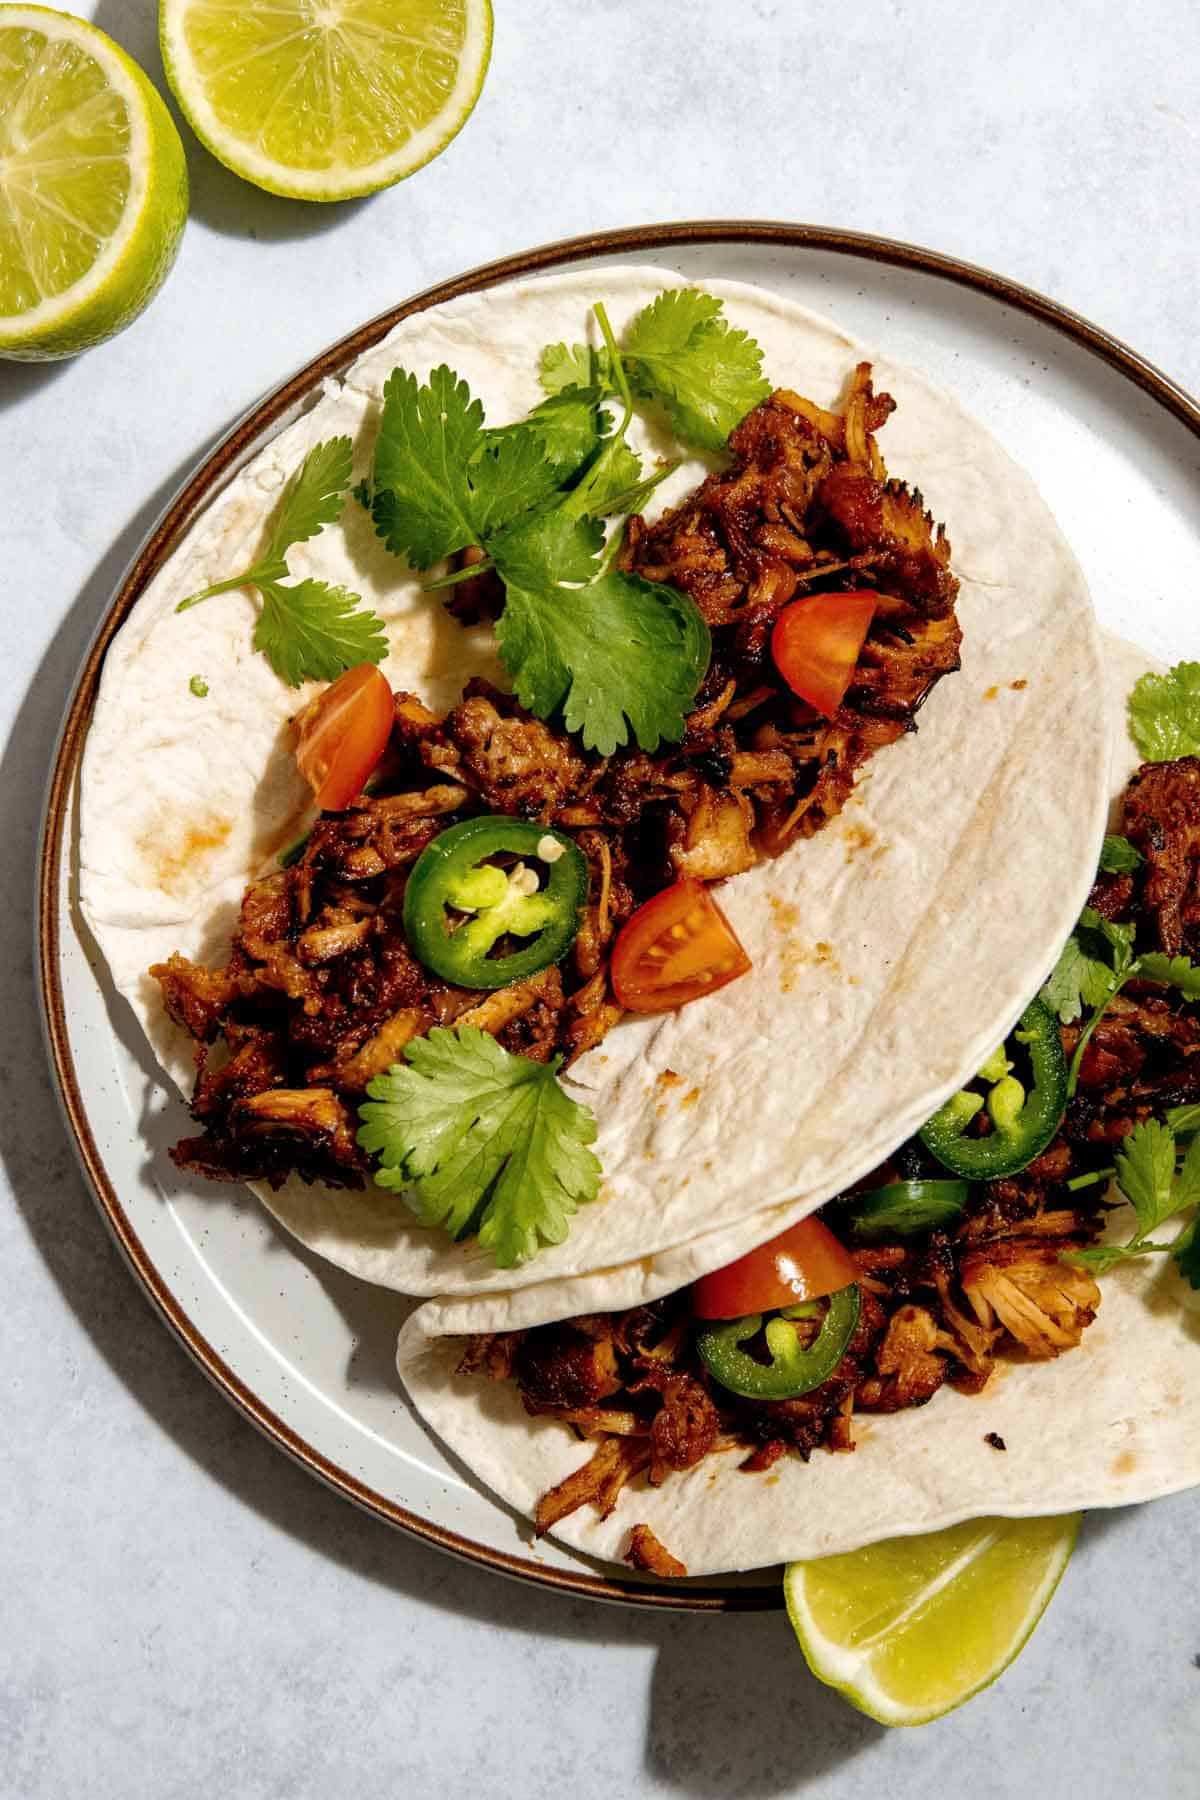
[160,542]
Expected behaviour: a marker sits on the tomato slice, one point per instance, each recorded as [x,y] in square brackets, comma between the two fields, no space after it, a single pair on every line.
[816,643]
[675,948]
[343,734]
[802,1263]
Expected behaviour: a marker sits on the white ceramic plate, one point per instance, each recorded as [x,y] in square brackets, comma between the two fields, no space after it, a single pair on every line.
[307,1352]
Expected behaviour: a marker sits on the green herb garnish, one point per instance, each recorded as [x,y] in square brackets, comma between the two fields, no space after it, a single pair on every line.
[680,351]
[198,686]
[1145,1174]
[309,630]
[612,652]
[1118,856]
[707,375]
[1097,961]
[481,1141]
[1164,713]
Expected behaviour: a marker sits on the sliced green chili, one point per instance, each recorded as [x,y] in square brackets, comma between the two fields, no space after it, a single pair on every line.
[1023,1122]
[458,905]
[903,1208]
[792,1370]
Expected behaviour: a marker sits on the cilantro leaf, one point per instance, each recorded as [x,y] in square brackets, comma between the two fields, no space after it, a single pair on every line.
[478,1139]
[1146,1176]
[1164,713]
[707,374]
[1173,971]
[1063,991]
[1095,930]
[562,369]
[1187,1184]
[198,686]
[313,498]
[1186,1251]
[1183,1120]
[510,477]
[617,649]
[567,426]
[441,481]
[312,632]
[1145,1173]
[308,631]
[1090,967]
[1118,856]
[422,502]
[1103,1257]
[619,479]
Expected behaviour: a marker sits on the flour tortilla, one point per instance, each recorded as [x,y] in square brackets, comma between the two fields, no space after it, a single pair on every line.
[1107,1424]
[889,953]
[648,1278]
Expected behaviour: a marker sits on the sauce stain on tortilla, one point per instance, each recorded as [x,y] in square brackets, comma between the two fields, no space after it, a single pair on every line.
[796,954]
[858,837]
[664,1081]
[1125,1464]
[991,692]
[1018,686]
[691,1097]
[787,913]
[174,865]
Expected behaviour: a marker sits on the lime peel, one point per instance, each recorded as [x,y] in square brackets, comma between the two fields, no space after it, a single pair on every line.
[324,73]
[140,247]
[911,1628]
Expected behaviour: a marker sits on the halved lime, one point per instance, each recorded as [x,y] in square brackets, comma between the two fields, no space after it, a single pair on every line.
[325,99]
[910,1628]
[93,186]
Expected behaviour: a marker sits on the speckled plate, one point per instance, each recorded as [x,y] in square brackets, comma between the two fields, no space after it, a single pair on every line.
[306,1352]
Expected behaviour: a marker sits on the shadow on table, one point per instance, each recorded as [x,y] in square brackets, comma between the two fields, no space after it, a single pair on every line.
[24,380]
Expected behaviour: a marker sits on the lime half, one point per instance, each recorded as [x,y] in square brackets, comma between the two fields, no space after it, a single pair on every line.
[325,99]
[910,1628]
[93,186]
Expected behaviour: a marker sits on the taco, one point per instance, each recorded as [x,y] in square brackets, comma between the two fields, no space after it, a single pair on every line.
[894,916]
[1048,1329]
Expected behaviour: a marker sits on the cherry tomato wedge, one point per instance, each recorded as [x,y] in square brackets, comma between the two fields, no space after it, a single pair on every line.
[816,643]
[675,948]
[802,1263]
[343,734]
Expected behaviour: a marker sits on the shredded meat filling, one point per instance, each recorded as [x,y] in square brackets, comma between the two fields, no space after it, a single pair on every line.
[646,1553]
[320,990]
[942,1308]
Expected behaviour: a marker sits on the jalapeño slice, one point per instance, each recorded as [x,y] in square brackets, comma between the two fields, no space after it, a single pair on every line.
[904,1209]
[1023,1121]
[791,1371]
[457,904]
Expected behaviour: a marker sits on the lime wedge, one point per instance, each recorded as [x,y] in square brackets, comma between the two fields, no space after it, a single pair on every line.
[910,1628]
[93,186]
[325,99]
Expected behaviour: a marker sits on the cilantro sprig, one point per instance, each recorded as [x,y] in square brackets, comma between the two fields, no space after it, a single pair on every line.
[611,652]
[307,630]
[681,352]
[1145,1170]
[482,1142]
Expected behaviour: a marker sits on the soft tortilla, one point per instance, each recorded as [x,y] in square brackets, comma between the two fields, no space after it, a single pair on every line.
[647,1278]
[890,952]
[1107,1424]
